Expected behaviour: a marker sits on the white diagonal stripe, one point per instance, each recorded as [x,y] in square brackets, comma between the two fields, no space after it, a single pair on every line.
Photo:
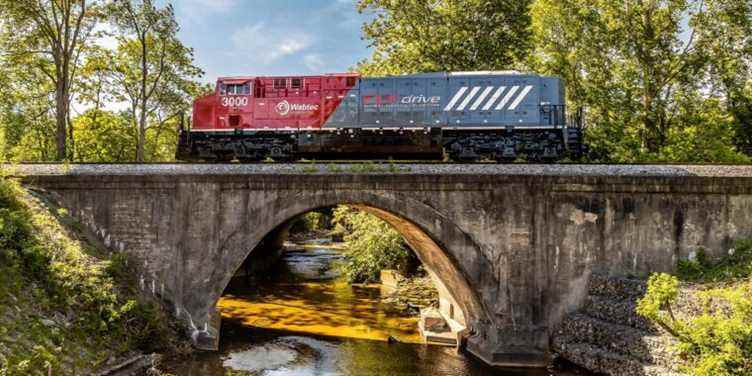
[483,96]
[455,99]
[519,99]
[507,97]
[468,98]
[494,97]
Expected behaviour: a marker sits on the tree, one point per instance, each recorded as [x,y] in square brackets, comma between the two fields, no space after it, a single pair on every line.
[445,35]
[95,86]
[153,69]
[55,31]
[27,103]
[640,71]
[725,36]
[104,136]
[372,245]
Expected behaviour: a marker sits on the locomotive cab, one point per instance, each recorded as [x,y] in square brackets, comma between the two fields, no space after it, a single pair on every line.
[235,102]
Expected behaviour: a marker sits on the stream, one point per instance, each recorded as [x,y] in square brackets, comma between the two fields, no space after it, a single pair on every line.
[305,320]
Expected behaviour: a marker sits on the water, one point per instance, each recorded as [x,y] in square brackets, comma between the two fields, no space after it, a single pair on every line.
[305,321]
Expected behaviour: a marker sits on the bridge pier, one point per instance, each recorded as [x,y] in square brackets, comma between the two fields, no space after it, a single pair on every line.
[514,245]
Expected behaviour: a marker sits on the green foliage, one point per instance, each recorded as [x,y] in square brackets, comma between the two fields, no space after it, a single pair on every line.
[737,265]
[47,39]
[311,221]
[656,304]
[646,72]
[310,169]
[44,269]
[103,136]
[718,339]
[331,167]
[725,37]
[448,35]
[370,167]
[26,116]
[372,245]
[365,167]
[150,70]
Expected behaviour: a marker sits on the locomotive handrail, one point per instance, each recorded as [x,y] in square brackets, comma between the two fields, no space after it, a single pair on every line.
[577,120]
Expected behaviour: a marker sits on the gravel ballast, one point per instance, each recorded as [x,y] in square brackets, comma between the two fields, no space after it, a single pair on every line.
[711,171]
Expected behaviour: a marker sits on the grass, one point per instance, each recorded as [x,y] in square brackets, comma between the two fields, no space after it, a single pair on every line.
[333,168]
[66,306]
[370,167]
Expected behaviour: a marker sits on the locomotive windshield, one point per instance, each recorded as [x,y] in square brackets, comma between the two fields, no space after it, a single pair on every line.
[235,89]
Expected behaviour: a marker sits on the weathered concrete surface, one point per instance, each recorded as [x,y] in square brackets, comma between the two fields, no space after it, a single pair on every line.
[514,244]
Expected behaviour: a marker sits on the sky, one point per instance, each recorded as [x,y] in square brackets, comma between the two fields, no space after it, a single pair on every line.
[271,37]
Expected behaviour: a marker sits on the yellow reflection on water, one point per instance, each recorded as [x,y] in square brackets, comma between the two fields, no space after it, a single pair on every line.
[327,308]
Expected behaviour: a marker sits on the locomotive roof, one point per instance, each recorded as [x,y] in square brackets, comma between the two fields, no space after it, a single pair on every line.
[239,79]
[249,78]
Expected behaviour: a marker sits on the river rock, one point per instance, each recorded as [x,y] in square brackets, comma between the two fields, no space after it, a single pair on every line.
[433,321]
[607,336]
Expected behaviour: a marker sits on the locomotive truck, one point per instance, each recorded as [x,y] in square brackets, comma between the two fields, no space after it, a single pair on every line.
[465,116]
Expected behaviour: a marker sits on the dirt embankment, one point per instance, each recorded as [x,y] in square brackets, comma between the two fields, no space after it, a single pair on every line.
[67,305]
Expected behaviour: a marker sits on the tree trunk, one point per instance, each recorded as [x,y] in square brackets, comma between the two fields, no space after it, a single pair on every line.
[71,136]
[61,116]
[142,119]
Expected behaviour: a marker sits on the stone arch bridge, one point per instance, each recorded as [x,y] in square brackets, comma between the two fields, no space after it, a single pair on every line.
[515,244]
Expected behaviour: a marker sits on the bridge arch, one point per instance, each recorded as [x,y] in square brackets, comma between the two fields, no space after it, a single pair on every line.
[436,241]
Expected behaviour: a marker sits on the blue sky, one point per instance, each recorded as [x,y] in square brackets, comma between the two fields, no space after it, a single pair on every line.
[271,37]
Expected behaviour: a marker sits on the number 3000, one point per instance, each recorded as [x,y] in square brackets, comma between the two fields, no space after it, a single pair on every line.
[234,101]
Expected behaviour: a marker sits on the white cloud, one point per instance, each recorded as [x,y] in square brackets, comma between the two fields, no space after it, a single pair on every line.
[264,45]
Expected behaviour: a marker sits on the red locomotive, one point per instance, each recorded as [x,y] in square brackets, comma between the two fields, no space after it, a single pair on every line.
[466,115]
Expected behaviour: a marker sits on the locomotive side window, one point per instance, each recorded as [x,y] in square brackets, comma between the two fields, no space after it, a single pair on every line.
[222,89]
[280,83]
[350,81]
[296,83]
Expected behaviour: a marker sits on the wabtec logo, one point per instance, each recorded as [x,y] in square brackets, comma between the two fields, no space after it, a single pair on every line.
[284,108]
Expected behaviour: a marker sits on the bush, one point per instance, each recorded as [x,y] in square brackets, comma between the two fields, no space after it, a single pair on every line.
[717,341]
[372,245]
[737,264]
